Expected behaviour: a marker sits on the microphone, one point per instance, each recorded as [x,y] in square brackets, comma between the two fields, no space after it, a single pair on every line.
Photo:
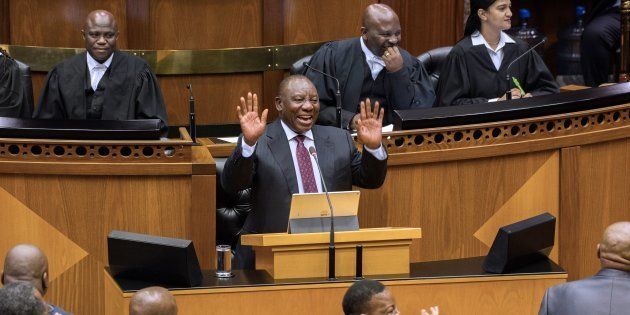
[508,94]
[193,125]
[331,245]
[337,94]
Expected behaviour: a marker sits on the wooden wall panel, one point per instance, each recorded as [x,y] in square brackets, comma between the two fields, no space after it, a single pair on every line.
[59,23]
[202,24]
[5,22]
[595,195]
[322,20]
[431,24]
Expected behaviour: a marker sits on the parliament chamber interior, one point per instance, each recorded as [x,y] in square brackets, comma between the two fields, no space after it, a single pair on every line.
[476,204]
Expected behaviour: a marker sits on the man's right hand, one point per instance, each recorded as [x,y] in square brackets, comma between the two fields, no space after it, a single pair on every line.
[252,125]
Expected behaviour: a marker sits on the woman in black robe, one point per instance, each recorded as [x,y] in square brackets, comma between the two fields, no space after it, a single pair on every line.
[475,70]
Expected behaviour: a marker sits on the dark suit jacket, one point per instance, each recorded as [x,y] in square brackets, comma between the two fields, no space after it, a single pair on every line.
[271,175]
[407,88]
[608,292]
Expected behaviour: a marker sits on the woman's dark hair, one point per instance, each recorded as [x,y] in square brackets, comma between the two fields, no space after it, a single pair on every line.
[474,23]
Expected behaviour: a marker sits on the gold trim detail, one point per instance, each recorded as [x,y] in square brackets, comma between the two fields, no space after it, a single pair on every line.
[181,62]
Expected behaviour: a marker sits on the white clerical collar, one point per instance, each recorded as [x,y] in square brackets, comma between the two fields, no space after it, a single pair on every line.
[478,39]
[92,63]
[369,55]
[292,134]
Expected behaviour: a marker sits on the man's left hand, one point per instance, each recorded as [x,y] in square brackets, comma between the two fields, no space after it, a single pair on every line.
[369,125]
[393,59]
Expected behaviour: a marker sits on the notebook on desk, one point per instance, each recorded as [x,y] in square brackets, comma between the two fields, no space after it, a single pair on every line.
[310,212]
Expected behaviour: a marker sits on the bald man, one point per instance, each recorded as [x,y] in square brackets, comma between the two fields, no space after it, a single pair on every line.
[153,301]
[101,83]
[608,292]
[370,66]
[27,263]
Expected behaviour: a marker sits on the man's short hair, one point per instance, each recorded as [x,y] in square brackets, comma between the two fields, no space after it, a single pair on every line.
[358,296]
[19,299]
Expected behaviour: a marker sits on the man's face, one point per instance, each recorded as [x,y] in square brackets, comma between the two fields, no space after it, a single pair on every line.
[298,105]
[381,33]
[100,36]
[383,304]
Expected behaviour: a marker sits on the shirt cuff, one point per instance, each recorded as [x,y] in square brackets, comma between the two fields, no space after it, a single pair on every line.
[247,150]
[380,153]
[493,100]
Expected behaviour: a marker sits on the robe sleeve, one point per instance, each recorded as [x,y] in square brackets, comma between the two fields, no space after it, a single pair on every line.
[410,86]
[149,99]
[11,96]
[539,80]
[454,84]
[51,101]
[324,59]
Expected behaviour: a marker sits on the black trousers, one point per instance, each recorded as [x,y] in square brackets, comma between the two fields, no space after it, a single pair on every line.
[600,40]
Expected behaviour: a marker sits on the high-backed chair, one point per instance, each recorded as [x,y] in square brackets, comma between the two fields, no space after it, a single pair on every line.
[232,210]
[432,61]
[298,66]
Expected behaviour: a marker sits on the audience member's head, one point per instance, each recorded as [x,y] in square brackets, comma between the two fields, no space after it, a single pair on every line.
[19,299]
[100,33]
[26,263]
[614,250]
[298,103]
[153,301]
[368,297]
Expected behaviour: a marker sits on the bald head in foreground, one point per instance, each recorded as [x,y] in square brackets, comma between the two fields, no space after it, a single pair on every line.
[608,292]
[153,301]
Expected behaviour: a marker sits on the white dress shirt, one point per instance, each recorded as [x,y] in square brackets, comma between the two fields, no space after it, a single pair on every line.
[375,62]
[97,69]
[309,141]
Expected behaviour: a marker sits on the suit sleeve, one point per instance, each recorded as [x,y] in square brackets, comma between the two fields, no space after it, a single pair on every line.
[238,171]
[149,99]
[454,83]
[539,80]
[324,60]
[51,102]
[410,86]
[367,170]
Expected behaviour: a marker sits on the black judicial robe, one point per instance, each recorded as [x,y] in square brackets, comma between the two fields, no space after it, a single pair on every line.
[127,91]
[407,88]
[468,75]
[16,96]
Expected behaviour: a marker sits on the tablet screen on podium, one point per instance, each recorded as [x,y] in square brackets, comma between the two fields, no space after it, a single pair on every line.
[311,213]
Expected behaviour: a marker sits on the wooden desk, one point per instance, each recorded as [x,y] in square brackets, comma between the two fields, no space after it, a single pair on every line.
[67,202]
[457,286]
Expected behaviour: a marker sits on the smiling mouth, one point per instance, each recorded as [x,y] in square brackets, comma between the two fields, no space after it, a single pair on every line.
[305,119]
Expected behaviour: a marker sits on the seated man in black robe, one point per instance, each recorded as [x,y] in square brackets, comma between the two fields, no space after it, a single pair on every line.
[371,66]
[102,83]
[16,94]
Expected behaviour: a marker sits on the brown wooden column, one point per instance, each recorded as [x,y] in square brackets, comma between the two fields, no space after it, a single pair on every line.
[273,34]
[5,22]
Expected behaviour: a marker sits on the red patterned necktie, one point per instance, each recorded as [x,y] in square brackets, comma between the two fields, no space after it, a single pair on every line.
[306,168]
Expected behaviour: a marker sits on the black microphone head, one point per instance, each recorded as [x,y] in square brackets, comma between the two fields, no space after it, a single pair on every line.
[312,150]
[189,86]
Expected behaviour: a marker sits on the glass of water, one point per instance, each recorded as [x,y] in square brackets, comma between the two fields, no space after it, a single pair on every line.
[224,261]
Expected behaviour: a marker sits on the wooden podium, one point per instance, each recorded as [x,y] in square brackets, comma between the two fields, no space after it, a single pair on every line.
[290,256]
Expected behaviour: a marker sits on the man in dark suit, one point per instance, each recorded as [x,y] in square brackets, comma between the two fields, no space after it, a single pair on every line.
[608,292]
[274,161]
[600,39]
[370,66]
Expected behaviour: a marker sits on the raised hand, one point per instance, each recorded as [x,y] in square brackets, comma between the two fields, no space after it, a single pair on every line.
[252,125]
[370,124]
[393,59]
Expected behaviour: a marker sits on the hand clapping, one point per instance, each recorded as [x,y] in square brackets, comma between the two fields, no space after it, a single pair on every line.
[252,125]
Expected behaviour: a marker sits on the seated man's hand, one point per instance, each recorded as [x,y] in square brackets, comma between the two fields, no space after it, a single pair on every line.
[252,125]
[393,59]
[370,124]
[516,93]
